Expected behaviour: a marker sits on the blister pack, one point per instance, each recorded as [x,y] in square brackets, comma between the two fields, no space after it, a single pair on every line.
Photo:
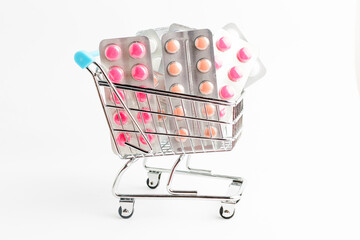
[128,60]
[187,59]
[154,36]
[175,27]
[258,71]
[234,60]
[155,46]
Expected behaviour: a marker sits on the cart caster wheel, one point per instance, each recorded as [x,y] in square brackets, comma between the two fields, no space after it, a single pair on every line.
[126,209]
[226,213]
[153,180]
[125,213]
[151,184]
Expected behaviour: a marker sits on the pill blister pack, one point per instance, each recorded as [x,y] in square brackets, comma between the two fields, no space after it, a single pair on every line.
[155,46]
[128,60]
[258,71]
[188,59]
[234,60]
[179,60]
[175,27]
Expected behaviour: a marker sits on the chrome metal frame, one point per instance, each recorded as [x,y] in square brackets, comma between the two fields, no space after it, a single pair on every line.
[240,182]
[228,201]
[126,209]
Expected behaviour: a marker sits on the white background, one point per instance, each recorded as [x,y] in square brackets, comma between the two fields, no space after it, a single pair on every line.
[299,150]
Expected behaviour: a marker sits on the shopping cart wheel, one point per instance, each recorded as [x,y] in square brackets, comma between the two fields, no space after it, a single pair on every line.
[124,213]
[126,208]
[153,179]
[227,212]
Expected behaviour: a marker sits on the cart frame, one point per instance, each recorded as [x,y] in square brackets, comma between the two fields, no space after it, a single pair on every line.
[126,209]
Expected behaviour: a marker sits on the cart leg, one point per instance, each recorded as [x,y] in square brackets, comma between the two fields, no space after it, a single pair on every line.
[195,169]
[188,158]
[126,208]
[168,186]
[153,169]
[227,209]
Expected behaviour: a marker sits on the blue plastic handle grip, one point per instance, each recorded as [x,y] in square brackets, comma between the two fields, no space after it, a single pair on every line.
[84,58]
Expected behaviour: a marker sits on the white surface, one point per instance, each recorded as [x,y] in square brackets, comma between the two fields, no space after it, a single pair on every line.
[299,151]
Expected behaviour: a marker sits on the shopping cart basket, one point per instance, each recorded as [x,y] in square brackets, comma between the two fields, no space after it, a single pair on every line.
[131,139]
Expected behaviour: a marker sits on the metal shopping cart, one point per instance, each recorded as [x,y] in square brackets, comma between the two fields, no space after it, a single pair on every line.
[167,137]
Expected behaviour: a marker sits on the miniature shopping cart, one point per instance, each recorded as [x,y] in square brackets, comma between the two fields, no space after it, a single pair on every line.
[167,138]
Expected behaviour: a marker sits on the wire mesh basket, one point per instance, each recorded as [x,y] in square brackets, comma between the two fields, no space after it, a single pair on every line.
[176,123]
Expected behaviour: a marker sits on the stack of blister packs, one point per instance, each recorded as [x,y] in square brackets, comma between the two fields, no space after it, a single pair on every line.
[181,60]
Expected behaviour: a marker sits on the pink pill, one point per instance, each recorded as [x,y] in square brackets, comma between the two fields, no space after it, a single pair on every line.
[117,101]
[222,111]
[123,118]
[141,96]
[226,92]
[218,62]
[244,55]
[116,74]
[137,50]
[122,139]
[235,74]
[223,44]
[112,52]
[149,136]
[144,116]
[140,72]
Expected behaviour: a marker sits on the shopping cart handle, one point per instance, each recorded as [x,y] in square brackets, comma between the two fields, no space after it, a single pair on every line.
[84,58]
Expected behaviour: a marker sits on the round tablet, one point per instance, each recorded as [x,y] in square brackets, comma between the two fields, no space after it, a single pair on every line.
[123,118]
[174,68]
[235,74]
[222,111]
[244,55]
[172,46]
[202,43]
[149,136]
[112,52]
[226,92]
[218,62]
[144,116]
[156,81]
[182,132]
[206,87]
[117,101]
[223,44]
[177,88]
[210,132]
[178,111]
[141,97]
[161,117]
[137,50]
[203,65]
[122,138]
[116,74]
[139,72]
[209,110]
